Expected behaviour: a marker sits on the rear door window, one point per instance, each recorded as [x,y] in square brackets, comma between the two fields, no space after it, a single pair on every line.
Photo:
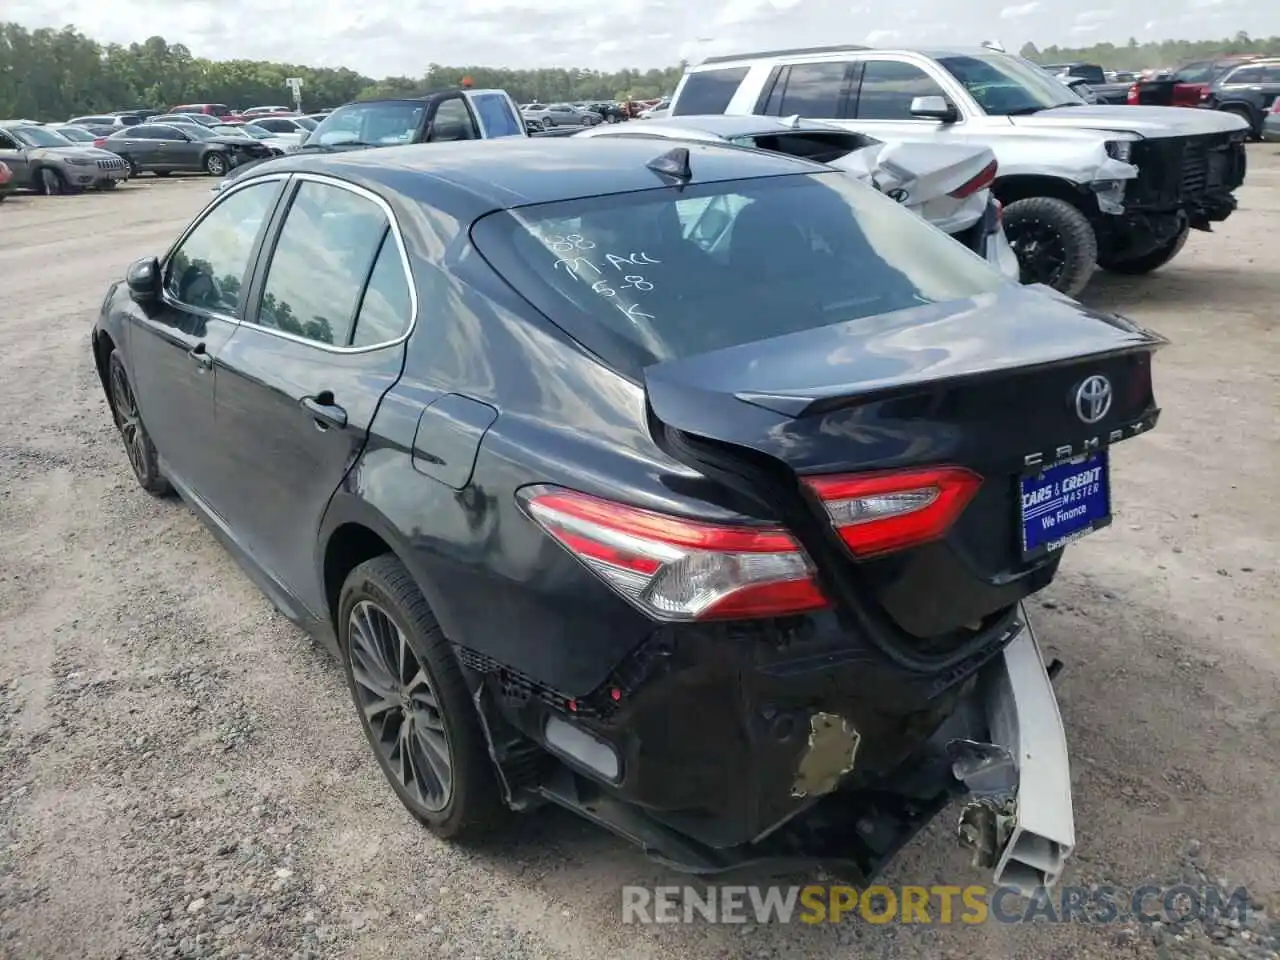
[322,258]
[708,91]
[453,121]
[672,273]
[818,90]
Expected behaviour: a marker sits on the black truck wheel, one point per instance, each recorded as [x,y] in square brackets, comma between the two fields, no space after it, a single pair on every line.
[1157,258]
[1054,241]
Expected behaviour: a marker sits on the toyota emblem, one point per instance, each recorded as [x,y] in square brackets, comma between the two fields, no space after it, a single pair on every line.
[1093,399]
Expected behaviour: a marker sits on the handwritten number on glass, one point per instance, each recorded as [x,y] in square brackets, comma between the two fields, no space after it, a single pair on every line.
[570,243]
[603,288]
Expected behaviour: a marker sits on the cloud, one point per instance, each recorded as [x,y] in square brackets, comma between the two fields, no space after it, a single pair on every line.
[1020,10]
[388,37]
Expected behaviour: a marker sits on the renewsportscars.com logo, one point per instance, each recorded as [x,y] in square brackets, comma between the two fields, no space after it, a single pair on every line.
[940,904]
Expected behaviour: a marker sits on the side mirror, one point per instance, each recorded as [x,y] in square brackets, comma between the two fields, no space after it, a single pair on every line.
[143,280]
[934,108]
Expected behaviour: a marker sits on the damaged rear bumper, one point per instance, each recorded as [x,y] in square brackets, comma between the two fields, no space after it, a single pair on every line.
[828,786]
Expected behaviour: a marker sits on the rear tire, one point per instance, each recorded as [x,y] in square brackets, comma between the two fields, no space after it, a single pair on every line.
[133,166]
[413,703]
[1154,260]
[1054,241]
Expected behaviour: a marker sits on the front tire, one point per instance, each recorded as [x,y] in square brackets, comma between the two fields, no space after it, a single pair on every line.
[1054,241]
[52,182]
[137,442]
[413,703]
[1157,258]
[215,164]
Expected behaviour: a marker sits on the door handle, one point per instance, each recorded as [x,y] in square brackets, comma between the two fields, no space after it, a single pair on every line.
[200,355]
[324,411]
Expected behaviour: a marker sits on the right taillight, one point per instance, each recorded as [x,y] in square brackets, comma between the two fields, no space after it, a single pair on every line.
[678,569]
[983,180]
[100,142]
[876,513]
[1132,96]
[1275,105]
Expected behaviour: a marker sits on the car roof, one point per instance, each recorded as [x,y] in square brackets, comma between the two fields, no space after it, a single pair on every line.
[471,178]
[802,52]
[719,125]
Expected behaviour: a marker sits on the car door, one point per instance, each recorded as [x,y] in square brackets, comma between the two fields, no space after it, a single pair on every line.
[181,150]
[299,383]
[452,120]
[14,156]
[172,344]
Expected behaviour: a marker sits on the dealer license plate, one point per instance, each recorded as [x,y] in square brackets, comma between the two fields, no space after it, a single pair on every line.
[1064,502]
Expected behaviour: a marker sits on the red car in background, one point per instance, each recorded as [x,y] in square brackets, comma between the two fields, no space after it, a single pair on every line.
[219,110]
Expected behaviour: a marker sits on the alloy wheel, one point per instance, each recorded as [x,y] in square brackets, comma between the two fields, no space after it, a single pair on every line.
[126,411]
[1041,251]
[400,706]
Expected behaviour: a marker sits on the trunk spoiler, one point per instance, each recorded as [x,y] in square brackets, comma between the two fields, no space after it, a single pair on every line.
[745,394]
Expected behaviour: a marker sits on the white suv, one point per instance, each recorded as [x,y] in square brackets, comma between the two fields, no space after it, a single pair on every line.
[1116,186]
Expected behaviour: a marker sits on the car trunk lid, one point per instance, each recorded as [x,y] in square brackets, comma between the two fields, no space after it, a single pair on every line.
[990,385]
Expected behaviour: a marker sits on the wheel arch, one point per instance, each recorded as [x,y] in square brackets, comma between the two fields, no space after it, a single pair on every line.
[103,346]
[355,531]
[1024,186]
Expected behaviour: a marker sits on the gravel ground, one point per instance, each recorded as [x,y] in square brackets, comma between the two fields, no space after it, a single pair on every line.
[181,774]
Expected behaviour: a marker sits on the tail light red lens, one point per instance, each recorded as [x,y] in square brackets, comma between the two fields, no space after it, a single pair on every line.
[100,142]
[1275,105]
[980,182]
[876,513]
[1132,96]
[678,569]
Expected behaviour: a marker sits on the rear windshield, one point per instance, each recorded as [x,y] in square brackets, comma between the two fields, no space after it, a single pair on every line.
[669,273]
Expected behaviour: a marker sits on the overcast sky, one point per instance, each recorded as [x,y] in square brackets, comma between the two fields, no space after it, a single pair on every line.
[384,37]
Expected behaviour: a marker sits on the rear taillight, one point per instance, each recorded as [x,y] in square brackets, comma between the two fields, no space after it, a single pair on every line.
[980,182]
[876,513]
[100,142]
[1275,105]
[1132,96]
[677,569]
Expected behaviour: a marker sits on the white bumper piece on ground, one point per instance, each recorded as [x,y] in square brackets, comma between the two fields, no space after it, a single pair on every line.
[1018,816]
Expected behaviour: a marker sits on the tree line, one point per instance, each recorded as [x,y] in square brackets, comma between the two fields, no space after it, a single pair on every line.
[51,74]
[1164,53]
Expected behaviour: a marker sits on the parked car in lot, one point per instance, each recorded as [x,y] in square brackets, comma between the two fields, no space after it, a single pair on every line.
[718,541]
[252,112]
[1249,91]
[299,127]
[1081,185]
[947,184]
[219,110]
[440,117]
[1186,86]
[200,119]
[1091,76]
[41,159]
[277,144]
[162,148]
[104,124]
[562,115]
[1271,123]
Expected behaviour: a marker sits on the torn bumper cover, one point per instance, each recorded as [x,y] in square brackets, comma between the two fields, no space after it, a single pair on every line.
[817,762]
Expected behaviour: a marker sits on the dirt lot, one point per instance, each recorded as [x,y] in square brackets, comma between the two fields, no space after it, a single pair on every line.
[181,773]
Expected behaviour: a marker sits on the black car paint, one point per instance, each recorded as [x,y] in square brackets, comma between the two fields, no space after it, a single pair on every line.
[486,396]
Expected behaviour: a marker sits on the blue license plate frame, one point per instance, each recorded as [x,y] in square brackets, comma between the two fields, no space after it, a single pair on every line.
[1063,502]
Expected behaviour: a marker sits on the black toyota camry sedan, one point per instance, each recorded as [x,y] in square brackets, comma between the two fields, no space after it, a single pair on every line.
[691,487]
